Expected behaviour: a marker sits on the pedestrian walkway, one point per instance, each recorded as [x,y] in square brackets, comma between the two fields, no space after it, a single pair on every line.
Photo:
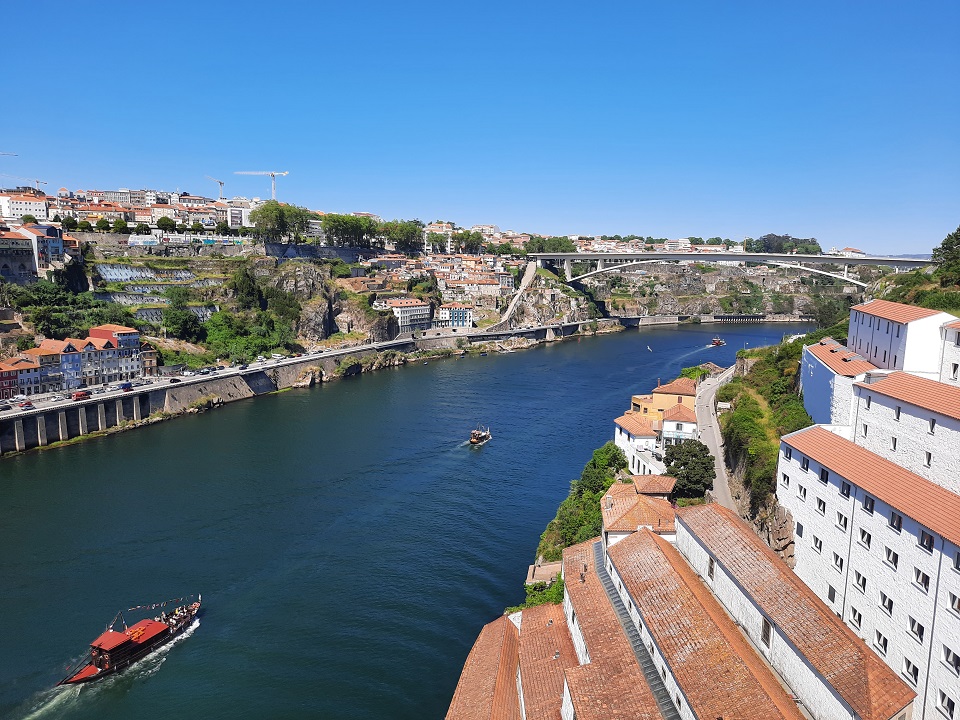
[709,427]
[657,686]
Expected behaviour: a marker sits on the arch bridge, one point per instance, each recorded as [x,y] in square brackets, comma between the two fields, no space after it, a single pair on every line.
[607,262]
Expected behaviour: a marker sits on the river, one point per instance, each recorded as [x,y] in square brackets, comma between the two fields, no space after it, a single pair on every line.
[348,544]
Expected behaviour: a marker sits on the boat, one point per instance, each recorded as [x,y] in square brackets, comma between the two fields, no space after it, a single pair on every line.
[718,341]
[480,436]
[113,650]
[649,348]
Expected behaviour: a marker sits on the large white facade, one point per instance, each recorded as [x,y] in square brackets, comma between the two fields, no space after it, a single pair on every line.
[897,337]
[950,354]
[893,578]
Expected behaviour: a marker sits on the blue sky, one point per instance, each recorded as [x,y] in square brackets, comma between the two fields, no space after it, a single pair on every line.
[832,120]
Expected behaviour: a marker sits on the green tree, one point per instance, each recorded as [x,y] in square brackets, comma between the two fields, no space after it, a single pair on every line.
[270,221]
[350,231]
[166,224]
[196,227]
[948,255]
[120,226]
[84,226]
[246,290]
[297,220]
[221,228]
[57,218]
[142,229]
[182,227]
[405,235]
[691,464]
[467,241]
[103,225]
[70,223]
[28,219]
[182,323]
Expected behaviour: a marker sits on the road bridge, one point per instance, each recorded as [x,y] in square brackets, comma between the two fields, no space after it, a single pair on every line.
[606,262]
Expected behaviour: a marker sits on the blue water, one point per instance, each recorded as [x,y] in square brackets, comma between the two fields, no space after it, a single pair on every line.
[348,544]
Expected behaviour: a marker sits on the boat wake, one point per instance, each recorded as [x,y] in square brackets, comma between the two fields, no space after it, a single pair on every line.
[56,701]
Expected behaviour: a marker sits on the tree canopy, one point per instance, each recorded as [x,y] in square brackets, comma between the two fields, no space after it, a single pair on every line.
[405,235]
[948,255]
[350,231]
[166,224]
[691,464]
[783,244]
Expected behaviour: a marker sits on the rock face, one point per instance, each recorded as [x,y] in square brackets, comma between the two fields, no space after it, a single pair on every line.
[547,302]
[303,280]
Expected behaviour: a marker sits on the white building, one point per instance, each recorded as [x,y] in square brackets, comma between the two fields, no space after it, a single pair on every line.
[636,437]
[681,245]
[950,353]
[678,425]
[412,314]
[827,373]
[14,206]
[455,315]
[880,546]
[894,336]
[912,421]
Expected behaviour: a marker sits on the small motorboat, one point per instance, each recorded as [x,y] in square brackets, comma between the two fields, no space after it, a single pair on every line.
[480,436]
[718,341]
[649,349]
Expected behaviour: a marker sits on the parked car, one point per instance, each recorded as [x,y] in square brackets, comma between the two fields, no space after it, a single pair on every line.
[173,380]
[276,356]
[125,386]
[81,395]
[5,406]
[243,367]
[26,405]
[188,373]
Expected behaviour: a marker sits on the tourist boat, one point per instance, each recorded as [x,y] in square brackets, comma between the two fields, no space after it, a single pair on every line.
[114,651]
[480,436]
[717,342]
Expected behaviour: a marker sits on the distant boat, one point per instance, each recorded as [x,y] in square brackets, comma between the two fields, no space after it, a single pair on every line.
[483,354]
[480,436]
[717,342]
[649,348]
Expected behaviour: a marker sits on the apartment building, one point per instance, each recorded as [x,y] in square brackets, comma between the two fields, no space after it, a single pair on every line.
[880,545]
[950,353]
[411,313]
[894,336]
[828,371]
[457,315]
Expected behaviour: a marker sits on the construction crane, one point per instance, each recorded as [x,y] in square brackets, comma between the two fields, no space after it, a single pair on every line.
[273,178]
[38,183]
[220,182]
[6,153]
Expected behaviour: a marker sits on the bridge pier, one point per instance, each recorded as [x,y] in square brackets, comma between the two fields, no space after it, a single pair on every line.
[568,268]
[18,439]
[82,419]
[101,417]
[601,264]
[119,409]
[41,421]
[62,425]
[136,408]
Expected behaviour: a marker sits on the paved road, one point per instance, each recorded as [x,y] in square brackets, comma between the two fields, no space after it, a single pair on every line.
[710,436]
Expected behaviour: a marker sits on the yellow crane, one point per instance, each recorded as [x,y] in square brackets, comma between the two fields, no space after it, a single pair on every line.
[273,178]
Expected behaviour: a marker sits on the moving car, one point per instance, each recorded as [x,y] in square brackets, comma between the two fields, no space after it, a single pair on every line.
[173,380]
[80,395]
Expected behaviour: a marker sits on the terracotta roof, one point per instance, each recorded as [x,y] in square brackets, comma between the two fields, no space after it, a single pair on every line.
[611,686]
[635,424]
[680,413]
[680,386]
[546,650]
[487,688]
[896,312]
[921,392]
[861,678]
[954,325]
[625,510]
[407,302]
[932,506]
[115,328]
[654,484]
[59,346]
[712,662]
[839,359]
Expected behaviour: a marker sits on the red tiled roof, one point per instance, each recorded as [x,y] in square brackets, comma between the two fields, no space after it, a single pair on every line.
[720,675]
[680,413]
[894,311]
[487,689]
[636,425]
[114,328]
[955,325]
[839,359]
[922,392]
[860,677]
[680,386]
[611,686]
[625,510]
[926,502]
[546,650]
[654,484]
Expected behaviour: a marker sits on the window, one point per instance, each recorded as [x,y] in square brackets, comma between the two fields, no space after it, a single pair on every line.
[916,629]
[800,530]
[891,557]
[956,560]
[831,593]
[953,371]
[802,492]
[886,602]
[896,521]
[821,506]
[785,480]
[927,458]
[868,504]
[766,632]
[787,452]
[880,643]
[824,475]
[845,489]
[932,426]
[896,410]
[951,659]
[926,541]
[945,704]
[805,464]
[861,580]
[864,430]
[865,538]
[910,671]
[838,562]
[954,603]
[817,544]
[893,444]
[855,617]
[868,402]
[710,568]
[921,579]
[842,521]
